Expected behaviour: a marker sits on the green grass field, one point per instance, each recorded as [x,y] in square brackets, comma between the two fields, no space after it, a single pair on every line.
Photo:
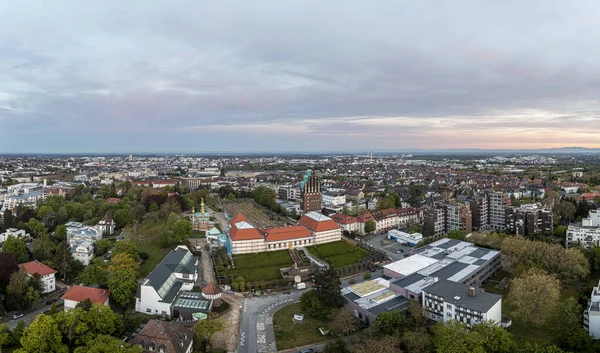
[198,234]
[262,266]
[289,334]
[155,255]
[338,254]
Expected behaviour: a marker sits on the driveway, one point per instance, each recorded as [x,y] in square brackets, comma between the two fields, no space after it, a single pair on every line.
[256,327]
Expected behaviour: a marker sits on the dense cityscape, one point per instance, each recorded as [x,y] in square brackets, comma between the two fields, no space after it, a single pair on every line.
[369,252]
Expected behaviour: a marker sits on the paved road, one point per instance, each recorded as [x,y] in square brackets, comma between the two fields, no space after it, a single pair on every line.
[30,315]
[256,326]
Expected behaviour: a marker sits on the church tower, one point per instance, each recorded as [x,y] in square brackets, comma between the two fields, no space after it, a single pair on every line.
[311,192]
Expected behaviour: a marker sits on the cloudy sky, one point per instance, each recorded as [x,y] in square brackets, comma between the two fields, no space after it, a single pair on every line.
[197,76]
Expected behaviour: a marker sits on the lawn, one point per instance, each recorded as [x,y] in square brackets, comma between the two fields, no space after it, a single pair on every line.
[338,254]
[262,266]
[289,334]
[155,255]
[198,234]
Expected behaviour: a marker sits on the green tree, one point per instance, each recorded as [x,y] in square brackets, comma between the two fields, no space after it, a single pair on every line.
[495,338]
[9,266]
[456,234]
[122,218]
[128,247]
[414,228]
[568,332]
[94,274]
[343,323]
[391,322]
[387,202]
[418,341]
[370,227]
[122,285]
[182,230]
[123,261]
[311,305]
[535,296]
[36,227]
[327,288]
[72,324]
[108,344]
[453,337]
[42,335]
[8,220]
[102,246]
[206,329]
[62,215]
[43,247]
[20,292]
[17,246]
[66,266]
[336,346]
[4,335]
[61,233]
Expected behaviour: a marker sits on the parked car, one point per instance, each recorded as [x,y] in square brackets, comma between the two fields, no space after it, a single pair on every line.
[17,316]
[50,301]
[309,350]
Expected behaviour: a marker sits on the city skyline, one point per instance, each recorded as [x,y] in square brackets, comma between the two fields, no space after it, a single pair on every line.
[298,76]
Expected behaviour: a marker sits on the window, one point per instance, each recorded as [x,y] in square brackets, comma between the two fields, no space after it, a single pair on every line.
[164,312]
[149,310]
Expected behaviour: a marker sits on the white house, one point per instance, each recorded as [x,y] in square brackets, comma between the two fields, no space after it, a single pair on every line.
[46,274]
[77,294]
[177,272]
[82,250]
[106,225]
[446,300]
[586,233]
[333,198]
[17,233]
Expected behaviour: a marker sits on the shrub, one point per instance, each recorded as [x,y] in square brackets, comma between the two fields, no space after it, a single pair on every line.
[367,276]
[144,256]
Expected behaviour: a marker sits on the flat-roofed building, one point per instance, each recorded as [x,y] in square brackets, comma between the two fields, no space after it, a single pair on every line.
[371,298]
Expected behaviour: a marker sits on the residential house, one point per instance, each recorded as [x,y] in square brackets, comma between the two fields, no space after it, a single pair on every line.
[76,294]
[46,274]
[164,337]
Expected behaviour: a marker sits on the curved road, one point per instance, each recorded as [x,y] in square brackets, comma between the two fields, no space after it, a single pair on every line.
[256,326]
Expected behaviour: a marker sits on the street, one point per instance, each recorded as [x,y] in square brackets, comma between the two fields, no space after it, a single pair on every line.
[256,327]
[32,313]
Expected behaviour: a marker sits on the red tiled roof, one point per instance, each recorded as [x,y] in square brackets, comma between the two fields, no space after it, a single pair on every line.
[81,293]
[238,218]
[343,219]
[34,267]
[318,226]
[211,289]
[365,217]
[113,200]
[286,233]
[237,234]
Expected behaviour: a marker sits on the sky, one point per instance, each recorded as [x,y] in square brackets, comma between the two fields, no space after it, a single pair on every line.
[297,76]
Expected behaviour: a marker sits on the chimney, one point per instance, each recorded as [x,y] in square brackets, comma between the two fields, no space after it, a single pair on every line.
[472,292]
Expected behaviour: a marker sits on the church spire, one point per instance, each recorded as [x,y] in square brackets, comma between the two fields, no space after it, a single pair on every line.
[202,205]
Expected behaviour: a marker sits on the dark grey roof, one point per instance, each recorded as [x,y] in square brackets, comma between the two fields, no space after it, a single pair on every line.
[479,253]
[172,292]
[449,290]
[449,270]
[407,281]
[479,262]
[351,296]
[450,243]
[170,264]
[398,303]
[439,256]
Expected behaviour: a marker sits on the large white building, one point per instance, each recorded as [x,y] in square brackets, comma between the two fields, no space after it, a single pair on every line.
[313,228]
[176,273]
[46,274]
[403,237]
[586,233]
[447,300]
[333,198]
[28,199]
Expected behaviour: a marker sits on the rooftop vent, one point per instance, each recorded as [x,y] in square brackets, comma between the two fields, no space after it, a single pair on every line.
[457,297]
[472,291]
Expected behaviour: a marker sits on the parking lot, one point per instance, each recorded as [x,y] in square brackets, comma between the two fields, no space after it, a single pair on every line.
[380,241]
